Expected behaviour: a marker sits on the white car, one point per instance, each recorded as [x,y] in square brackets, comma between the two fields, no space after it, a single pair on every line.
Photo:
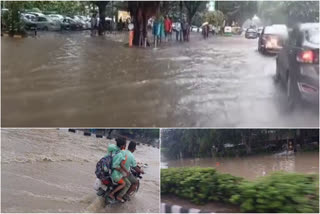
[56,17]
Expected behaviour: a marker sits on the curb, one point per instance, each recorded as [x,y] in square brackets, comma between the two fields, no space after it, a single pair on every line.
[167,208]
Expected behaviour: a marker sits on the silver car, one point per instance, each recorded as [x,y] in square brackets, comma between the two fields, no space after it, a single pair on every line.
[41,23]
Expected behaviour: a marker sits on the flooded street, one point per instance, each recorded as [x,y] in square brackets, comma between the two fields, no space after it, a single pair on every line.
[252,167]
[72,79]
[53,171]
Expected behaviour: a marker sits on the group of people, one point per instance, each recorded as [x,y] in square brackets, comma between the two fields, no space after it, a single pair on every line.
[122,161]
[164,27]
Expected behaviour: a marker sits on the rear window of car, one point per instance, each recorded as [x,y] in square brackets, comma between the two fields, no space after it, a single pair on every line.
[270,30]
[312,35]
[282,31]
[251,30]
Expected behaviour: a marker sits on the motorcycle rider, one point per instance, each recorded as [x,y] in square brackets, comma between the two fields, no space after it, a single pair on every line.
[118,166]
[131,163]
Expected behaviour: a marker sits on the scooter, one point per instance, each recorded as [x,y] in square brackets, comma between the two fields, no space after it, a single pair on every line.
[105,187]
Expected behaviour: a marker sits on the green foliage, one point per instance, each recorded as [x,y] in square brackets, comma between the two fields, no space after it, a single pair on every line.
[192,143]
[199,185]
[289,12]
[215,18]
[237,11]
[12,18]
[279,192]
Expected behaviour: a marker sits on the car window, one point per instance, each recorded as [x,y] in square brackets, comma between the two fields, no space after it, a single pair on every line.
[269,30]
[251,31]
[42,19]
[312,35]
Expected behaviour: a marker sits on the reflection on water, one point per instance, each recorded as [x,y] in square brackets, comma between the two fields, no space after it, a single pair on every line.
[53,171]
[256,166]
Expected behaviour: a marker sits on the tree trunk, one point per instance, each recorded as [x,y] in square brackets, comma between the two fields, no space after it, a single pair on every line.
[102,16]
[140,12]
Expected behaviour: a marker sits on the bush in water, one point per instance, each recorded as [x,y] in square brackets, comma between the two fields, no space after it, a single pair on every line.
[279,192]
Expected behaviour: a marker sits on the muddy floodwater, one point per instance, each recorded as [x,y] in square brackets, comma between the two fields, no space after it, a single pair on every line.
[72,79]
[256,166]
[53,171]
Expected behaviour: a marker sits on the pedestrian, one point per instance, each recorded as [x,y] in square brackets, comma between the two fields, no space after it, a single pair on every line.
[167,27]
[156,31]
[120,25]
[178,30]
[170,30]
[183,26]
[187,31]
[94,24]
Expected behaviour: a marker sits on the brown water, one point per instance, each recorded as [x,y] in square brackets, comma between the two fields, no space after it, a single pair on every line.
[256,166]
[50,170]
[72,80]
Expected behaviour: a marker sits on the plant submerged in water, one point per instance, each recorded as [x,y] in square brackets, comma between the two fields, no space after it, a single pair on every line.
[279,192]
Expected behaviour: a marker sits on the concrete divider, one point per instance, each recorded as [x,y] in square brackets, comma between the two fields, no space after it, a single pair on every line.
[167,208]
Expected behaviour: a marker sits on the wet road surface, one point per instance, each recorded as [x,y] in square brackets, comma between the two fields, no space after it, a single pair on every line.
[74,80]
[53,171]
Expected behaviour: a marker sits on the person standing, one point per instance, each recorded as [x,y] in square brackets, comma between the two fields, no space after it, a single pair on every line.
[167,27]
[178,30]
[120,25]
[94,24]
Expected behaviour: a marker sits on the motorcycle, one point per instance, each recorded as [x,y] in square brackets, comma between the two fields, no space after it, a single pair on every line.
[105,187]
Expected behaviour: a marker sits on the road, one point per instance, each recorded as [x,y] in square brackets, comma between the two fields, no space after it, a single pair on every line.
[74,80]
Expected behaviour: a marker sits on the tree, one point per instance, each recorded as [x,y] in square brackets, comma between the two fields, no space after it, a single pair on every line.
[215,18]
[140,12]
[102,15]
[192,7]
[289,12]
[237,11]
[12,18]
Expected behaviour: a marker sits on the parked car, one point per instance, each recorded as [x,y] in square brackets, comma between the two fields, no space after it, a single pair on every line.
[79,20]
[271,39]
[194,28]
[56,17]
[70,24]
[297,65]
[251,34]
[29,21]
[32,21]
